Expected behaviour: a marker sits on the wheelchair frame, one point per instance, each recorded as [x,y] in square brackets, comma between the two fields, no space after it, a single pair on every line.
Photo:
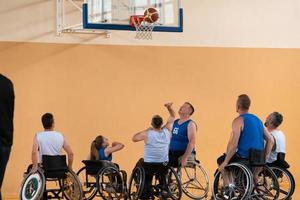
[42,191]
[292,183]
[98,172]
[254,189]
[194,164]
[156,190]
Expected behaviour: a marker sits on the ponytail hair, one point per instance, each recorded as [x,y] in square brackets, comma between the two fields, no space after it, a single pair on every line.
[95,146]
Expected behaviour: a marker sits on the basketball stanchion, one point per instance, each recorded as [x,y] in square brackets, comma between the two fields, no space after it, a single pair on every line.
[144,24]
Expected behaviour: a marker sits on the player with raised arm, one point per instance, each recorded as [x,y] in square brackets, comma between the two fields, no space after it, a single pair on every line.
[183,136]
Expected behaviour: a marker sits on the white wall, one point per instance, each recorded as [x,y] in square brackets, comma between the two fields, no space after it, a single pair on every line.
[219,23]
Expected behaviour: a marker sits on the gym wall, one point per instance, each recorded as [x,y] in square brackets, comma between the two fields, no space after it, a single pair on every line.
[115,88]
[94,89]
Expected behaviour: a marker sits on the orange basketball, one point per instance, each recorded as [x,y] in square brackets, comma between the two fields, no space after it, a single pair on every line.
[151,15]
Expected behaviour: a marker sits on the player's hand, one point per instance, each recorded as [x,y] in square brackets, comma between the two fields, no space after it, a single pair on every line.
[70,168]
[34,169]
[184,160]
[168,105]
[222,167]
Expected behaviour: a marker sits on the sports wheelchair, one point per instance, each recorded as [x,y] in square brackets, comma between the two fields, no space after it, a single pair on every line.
[104,179]
[154,180]
[52,172]
[285,179]
[193,177]
[251,179]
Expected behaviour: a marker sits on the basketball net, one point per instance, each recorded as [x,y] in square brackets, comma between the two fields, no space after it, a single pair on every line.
[143,29]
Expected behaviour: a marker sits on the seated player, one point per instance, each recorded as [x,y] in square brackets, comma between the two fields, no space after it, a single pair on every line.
[156,148]
[49,142]
[248,133]
[100,149]
[184,129]
[277,156]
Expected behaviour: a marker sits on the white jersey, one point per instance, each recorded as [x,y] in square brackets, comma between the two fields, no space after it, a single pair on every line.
[156,150]
[280,145]
[50,143]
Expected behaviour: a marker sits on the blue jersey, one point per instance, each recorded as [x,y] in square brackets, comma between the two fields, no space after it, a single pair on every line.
[179,140]
[252,135]
[102,155]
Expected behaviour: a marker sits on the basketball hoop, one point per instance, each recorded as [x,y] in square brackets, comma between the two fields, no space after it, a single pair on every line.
[143,28]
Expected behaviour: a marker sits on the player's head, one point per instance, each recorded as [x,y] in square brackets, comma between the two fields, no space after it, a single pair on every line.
[99,142]
[274,120]
[48,121]
[157,122]
[243,103]
[186,110]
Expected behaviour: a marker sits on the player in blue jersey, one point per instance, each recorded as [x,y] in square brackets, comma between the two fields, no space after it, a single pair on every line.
[248,133]
[183,139]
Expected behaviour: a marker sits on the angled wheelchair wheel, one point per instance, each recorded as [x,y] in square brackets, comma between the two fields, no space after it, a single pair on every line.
[136,183]
[33,186]
[173,184]
[286,182]
[110,183]
[88,182]
[71,187]
[194,180]
[238,183]
[266,184]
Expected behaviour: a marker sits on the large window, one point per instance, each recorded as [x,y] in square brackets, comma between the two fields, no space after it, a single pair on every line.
[119,11]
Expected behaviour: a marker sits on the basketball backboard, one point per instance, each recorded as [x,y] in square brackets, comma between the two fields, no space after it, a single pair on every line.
[115,14]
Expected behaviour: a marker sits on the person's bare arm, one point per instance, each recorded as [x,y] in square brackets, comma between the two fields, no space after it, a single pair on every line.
[192,129]
[116,146]
[232,145]
[35,155]
[140,136]
[171,118]
[70,154]
[269,143]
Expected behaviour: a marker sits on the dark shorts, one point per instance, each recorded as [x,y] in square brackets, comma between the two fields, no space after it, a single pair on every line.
[152,169]
[280,163]
[174,158]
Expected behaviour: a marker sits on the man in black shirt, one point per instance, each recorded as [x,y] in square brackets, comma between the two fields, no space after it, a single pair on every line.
[7,99]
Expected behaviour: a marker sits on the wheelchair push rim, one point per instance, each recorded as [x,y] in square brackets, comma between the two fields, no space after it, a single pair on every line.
[71,187]
[136,183]
[285,180]
[89,183]
[194,180]
[32,187]
[240,184]
[110,183]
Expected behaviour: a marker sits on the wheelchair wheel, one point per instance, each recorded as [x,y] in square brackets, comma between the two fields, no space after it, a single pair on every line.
[240,183]
[71,187]
[173,184]
[286,182]
[136,183]
[194,180]
[33,185]
[266,184]
[110,183]
[89,184]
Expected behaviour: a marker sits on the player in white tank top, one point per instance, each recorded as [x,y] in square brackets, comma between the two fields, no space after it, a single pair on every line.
[272,123]
[157,138]
[49,142]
